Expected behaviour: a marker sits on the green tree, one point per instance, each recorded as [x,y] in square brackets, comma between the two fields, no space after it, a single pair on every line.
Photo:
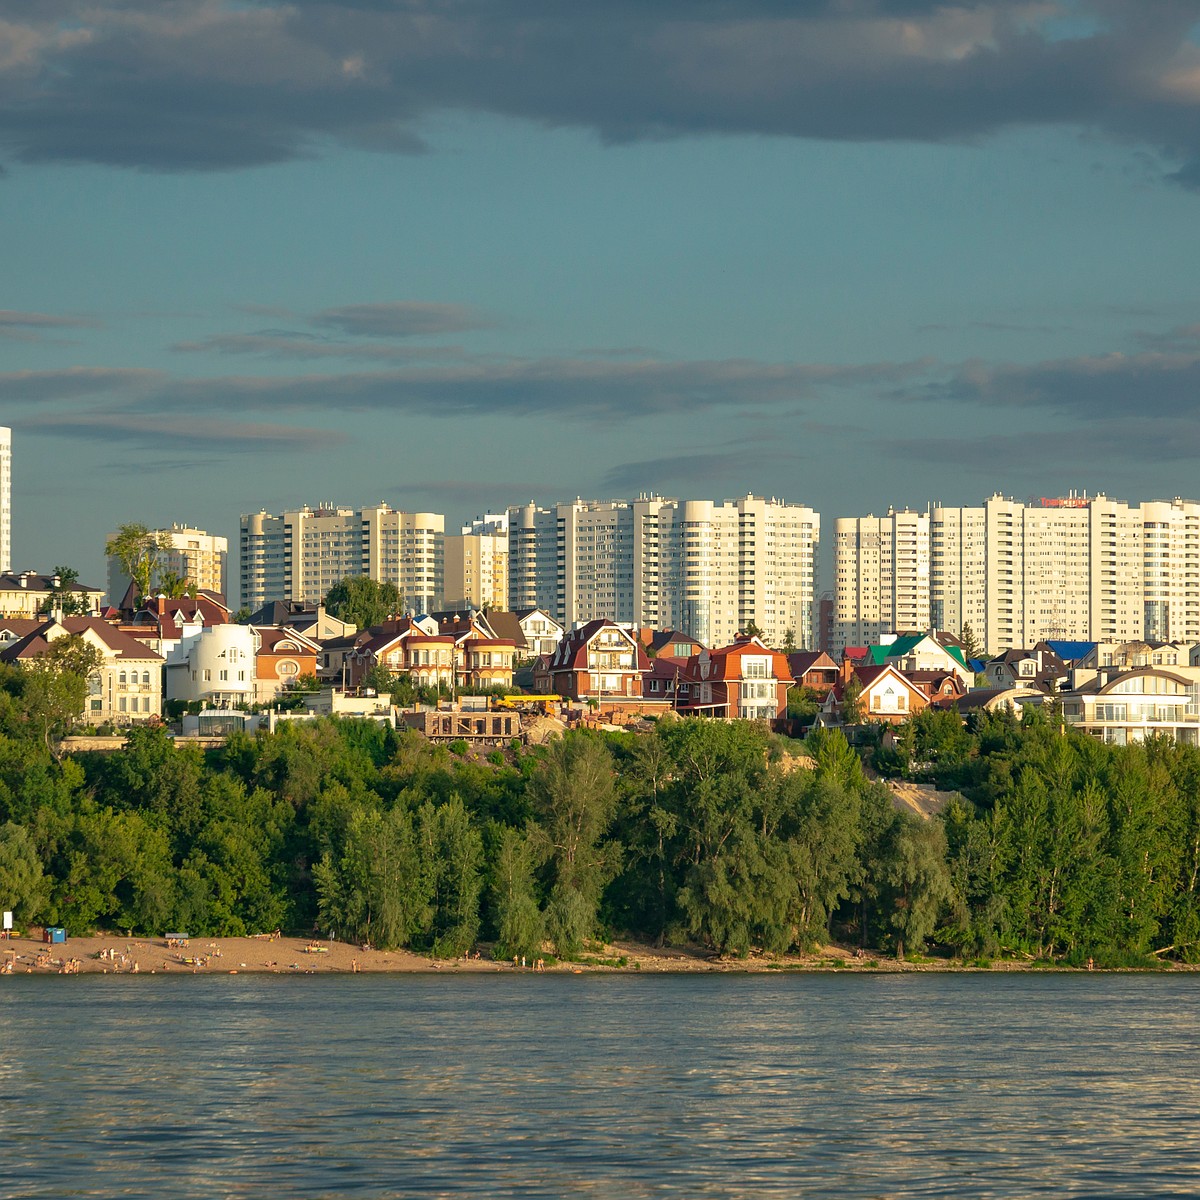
[453,851]
[574,797]
[916,879]
[63,596]
[363,601]
[24,889]
[823,821]
[971,648]
[852,709]
[374,887]
[56,685]
[137,549]
[520,923]
[175,586]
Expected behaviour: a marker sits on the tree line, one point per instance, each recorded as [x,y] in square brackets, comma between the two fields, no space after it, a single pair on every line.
[700,831]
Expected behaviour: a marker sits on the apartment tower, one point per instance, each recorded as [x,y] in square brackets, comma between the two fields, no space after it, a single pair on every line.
[302,553]
[708,569]
[881,570]
[192,554]
[5,500]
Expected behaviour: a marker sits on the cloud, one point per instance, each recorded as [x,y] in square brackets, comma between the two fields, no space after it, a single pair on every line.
[1150,384]
[287,345]
[400,319]
[704,469]
[226,84]
[173,433]
[33,326]
[10,319]
[72,382]
[478,494]
[571,388]
[1131,440]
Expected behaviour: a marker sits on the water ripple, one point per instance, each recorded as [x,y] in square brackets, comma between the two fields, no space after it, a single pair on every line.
[814,1086]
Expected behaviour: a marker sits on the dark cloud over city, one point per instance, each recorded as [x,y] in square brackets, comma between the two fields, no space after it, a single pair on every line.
[219,85]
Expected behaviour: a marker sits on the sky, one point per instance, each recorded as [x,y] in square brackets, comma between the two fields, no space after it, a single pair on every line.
[457,254]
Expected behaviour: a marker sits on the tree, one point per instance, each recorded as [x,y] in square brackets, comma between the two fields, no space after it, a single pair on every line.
[175,586]
[23,887]
[362,601]
[575,799]
[137,549]
[374,889]
[62,596]
[916,880]
[789,641]
[519,921]
[852,713]
[453,852]
[57,684]
[971,648]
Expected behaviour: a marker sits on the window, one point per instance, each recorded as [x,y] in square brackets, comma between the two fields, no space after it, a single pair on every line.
[121,679]
[146,677]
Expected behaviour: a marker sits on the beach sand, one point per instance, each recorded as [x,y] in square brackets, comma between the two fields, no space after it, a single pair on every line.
[116,954]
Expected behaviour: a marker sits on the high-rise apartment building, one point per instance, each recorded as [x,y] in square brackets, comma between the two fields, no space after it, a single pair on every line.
[476,566]
[881,577]
[301,554]
[1061,567]
[1013,573]
[192,554]
[5,500]
[1171,574]
[708,569]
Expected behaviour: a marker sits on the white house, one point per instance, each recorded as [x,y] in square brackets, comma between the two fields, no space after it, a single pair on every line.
[215,667]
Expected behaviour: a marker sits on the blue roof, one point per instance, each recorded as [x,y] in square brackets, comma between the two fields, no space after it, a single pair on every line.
[1071,651]
[978,665]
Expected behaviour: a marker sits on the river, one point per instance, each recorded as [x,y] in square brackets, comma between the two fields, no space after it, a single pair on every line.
[815,1085]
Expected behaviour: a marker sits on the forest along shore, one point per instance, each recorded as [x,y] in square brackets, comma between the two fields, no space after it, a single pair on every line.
[113,954]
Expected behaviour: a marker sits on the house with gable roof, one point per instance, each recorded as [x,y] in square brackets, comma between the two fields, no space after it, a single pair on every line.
[28,593]
[885,695]
[600,660]
[542,632]
[127,688]
[746,679]
[412,646]
[282,656]
[931,651]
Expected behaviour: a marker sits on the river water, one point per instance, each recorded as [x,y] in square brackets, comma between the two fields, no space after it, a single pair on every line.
[599,1086]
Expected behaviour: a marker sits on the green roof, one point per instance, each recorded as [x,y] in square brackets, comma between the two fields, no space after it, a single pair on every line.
[902,645]
[877,655]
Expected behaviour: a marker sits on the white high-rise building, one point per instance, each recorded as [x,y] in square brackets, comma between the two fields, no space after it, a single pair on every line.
[881,571]
[5,500]
[476,566]
[1067,567]
[1171,576]
[300,555]
[707,569]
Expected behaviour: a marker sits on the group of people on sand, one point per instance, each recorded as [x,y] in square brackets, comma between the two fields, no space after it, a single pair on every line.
[120,959]
[539,964]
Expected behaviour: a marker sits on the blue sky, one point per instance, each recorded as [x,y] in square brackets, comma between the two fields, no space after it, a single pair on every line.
[455,255]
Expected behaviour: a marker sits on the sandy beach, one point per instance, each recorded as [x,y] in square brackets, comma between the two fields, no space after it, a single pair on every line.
[114,954]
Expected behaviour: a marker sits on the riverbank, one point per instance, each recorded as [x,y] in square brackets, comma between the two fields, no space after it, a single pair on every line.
[115,955]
